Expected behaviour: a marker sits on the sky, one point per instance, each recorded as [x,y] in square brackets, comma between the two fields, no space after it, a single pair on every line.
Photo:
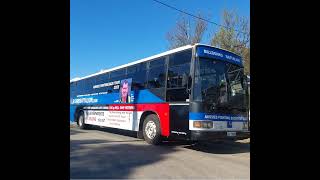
[109,33]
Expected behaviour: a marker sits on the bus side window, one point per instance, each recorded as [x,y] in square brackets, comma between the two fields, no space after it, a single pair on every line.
[138,74]
[118,73]
[157,73]
[80,87]
[156,77]
[139,80]
[73,89]
[179,76]
[91,82]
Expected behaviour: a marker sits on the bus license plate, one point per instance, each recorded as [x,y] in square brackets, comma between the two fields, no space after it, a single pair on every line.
[231,133]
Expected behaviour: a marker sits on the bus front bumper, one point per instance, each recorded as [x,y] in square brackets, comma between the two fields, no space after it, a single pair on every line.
[216,135]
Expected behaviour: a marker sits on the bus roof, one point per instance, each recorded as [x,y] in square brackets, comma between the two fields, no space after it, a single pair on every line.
[145,59]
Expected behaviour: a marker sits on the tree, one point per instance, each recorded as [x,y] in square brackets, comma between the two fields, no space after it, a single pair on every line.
[234,36]
[184,33]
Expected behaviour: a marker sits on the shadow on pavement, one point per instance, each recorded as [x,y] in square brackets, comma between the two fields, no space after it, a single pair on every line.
[220,147]
[214,147]
[74,131]
[100,158]
[112,160]
[115,131]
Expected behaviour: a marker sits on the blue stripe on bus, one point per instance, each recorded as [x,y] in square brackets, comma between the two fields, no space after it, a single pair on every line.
[142,96]
[72,111]
[217,117]
[211,52]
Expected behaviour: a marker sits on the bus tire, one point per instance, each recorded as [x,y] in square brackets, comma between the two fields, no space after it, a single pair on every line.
[80,122]
[151,129]
[140,135]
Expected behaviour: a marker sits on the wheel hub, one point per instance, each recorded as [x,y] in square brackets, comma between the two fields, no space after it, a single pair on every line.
[151,129]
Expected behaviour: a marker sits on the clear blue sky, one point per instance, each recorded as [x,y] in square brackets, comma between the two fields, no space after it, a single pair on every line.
[108,33]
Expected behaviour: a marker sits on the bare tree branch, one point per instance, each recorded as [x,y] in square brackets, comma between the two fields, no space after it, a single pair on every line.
[232,40]
[201,27]
[184,33]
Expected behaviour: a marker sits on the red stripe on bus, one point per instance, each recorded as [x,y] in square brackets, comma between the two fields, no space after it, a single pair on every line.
[121,107]
[162,110]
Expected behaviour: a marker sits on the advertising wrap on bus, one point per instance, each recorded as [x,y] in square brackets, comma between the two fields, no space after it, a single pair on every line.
[120,105]
[116,116]
[195,92]
[139,96]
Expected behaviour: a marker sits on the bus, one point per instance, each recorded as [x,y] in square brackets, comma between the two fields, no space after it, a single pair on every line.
[196,92]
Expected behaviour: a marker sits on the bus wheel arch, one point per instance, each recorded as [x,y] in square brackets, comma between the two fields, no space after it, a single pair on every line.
[77,113]
[143,117]
[150,117]
[80,117]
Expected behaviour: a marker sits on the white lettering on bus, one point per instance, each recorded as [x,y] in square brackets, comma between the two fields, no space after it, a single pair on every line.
[212,53]
[207,116]
[106,84]
[233,58]
[210,117]
[97,113]
[84,100]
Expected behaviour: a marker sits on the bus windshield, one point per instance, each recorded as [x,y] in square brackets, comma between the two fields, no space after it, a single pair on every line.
[219,84]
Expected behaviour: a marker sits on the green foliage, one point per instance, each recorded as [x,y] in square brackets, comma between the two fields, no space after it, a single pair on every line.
[234,36]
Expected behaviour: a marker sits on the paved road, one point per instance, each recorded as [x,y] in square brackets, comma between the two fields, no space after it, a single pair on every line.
[109,153]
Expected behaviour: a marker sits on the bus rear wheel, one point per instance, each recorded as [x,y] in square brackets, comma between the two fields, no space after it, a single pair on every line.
[81,123]
[151,129]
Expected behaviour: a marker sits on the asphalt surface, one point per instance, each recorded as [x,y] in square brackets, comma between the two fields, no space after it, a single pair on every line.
[114,154]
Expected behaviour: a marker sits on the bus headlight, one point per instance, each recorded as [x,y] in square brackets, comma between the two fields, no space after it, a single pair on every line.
[203,124]
[209,124]
[197,124]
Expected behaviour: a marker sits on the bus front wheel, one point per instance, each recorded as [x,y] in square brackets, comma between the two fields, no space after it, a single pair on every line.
[81,123]
[151,129]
